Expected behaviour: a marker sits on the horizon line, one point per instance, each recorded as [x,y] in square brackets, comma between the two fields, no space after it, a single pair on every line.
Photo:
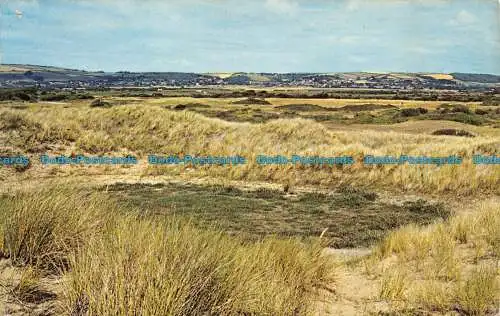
[252,72]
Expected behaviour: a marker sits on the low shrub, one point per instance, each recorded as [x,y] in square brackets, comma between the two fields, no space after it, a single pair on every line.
[99,103]
[460,108]
[453,132]
[481,112]
[413,112]
[252,101]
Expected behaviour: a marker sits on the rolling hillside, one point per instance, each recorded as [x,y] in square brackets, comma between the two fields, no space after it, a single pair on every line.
[33,73]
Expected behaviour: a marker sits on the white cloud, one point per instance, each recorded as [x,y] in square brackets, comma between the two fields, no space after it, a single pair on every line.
[464,18]
[353,5]
[282,6]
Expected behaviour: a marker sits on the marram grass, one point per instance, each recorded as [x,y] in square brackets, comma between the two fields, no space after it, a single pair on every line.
[118,263]
[144,130]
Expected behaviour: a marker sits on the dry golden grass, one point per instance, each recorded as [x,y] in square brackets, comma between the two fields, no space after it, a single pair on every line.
[479,293]
[4,68]
[423,127]
[149,268]
[442,265]
[441,76]
[226,103]
[118,263]
[154,130]
[42,228]
[432,295]
[28,285]
[221,75]
[334,103]
[394,284]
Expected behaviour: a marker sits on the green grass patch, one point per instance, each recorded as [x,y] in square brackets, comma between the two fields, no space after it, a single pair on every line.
[354,217]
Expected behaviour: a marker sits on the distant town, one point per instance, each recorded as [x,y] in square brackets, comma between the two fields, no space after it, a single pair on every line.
[42,77]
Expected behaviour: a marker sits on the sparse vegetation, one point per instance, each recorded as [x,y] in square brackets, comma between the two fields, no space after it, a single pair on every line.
[445,274]
[256,214]
[27,289]
[479,293]
[394,285]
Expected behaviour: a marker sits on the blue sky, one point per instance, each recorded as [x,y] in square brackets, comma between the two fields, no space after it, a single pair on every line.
[254,35]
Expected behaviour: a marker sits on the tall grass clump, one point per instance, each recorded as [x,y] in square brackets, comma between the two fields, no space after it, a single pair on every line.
[480,292]
[445,263]
[434,295]
[408,242]
[170,268]
[454,263]
[394,283]
[488,228]
[120,262]
[43,227]
[27,288]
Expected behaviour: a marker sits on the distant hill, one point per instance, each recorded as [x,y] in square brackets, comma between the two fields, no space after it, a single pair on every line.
[481,78]
[245,78]
[12,75]
[48,73]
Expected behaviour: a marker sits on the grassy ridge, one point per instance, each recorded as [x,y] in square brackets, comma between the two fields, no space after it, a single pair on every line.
[124,265]
[145,130]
